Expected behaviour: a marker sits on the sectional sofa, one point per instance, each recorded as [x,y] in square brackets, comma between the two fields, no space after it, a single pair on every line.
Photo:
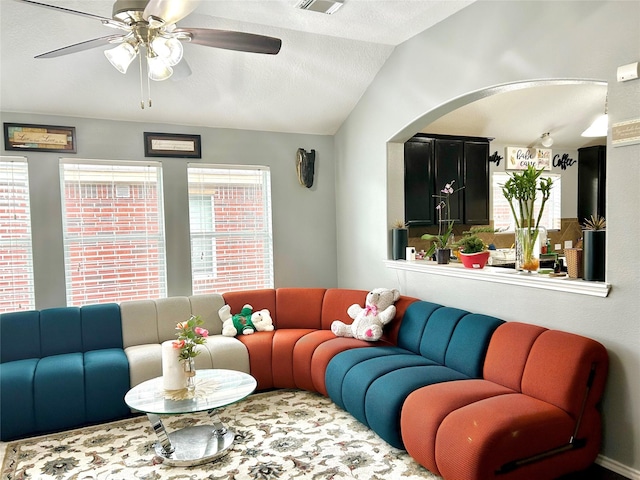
[468,396]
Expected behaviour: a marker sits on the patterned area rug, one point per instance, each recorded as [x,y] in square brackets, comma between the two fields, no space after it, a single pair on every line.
[284,434]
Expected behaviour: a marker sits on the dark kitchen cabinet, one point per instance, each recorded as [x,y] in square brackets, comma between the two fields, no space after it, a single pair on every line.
[476,181]
[418,182]
[592,179]
[432,161]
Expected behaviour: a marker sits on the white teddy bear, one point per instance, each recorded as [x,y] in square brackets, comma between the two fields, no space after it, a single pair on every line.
[246,322]
[369,322]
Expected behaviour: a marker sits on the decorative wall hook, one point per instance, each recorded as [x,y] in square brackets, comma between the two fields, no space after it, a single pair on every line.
[305,162]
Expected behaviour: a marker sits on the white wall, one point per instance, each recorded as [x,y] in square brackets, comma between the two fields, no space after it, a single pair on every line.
[303,219]
[487,44]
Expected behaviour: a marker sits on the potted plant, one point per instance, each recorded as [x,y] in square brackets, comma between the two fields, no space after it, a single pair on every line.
[399,240]
[522,190]
[440,241]
[473,251]
[593,246]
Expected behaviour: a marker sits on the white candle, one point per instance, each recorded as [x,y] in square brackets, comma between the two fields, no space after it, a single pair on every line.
[172,368]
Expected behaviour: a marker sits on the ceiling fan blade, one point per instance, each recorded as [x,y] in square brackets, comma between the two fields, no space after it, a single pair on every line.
[67,10]
[79,47]
[181,71]
[171,11]
[243,42]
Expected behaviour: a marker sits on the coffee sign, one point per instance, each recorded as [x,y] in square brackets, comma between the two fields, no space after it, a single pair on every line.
[519,158]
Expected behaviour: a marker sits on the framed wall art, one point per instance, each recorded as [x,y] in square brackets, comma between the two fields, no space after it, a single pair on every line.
[172,145]
[39,138]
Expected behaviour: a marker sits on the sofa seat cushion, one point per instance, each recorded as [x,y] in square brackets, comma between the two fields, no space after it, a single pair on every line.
[359,379]
[425,408]
[259,346]
[344,361]
[106,374]
[16,398]
[59,392]
[324,353]
[225,352]
[145,361]
[479,439]
[385,397]
[303,353]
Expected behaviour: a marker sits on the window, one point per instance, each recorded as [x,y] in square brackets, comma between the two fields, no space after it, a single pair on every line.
[502,216]
[16,258]
[114,245]
[230,221]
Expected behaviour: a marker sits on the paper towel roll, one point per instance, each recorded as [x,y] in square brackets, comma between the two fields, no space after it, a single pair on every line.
[172,368]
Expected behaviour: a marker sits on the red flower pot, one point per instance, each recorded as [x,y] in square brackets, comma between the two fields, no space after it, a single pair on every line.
[475,260]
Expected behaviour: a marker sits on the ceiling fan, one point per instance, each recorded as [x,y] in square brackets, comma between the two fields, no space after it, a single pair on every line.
[150,30]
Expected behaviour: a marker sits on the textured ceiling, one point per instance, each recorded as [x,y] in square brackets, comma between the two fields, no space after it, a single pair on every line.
[520,117]
[325,65]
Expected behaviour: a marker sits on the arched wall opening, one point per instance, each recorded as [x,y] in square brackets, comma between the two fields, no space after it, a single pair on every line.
[395,146]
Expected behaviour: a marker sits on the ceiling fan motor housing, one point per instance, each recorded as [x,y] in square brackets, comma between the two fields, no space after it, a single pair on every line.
[129,11]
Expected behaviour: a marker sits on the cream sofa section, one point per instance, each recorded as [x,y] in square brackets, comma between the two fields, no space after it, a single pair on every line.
[148,323]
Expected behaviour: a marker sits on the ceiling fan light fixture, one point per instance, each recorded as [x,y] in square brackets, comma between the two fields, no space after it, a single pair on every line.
[158,68]
[546,140]
[598,128]
[168,48]
[121,56]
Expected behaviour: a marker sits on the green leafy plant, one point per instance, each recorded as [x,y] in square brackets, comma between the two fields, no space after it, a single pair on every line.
[471,244]
[521,191]
[595,222]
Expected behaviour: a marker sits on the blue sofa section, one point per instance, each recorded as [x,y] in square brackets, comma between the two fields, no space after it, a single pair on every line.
[61,368]
[435,344]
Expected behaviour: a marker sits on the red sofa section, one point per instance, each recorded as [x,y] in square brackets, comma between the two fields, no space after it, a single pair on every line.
[533,415]
[296,353]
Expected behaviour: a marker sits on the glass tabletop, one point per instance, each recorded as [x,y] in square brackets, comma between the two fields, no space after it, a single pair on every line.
[214,388]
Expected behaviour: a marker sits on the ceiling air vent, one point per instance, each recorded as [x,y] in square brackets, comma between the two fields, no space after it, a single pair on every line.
[322,6]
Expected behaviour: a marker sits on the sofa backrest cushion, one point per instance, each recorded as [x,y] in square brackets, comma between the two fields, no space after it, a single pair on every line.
[101,326]
[258,299]
[154,321]
[60,331]
[468,345]
[13,328]
[139,322]
[207,306]
[335,303]
[508,353]
[299,307]
[438,333]
[171,310]
[559,368]
[414,323]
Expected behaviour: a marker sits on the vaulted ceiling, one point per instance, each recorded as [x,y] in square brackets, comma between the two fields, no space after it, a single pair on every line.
[325,65]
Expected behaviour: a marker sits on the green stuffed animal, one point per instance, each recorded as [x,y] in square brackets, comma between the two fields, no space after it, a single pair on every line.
[240,323]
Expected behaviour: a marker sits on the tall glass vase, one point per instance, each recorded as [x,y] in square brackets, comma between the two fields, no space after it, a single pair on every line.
[527,249]
[190,372]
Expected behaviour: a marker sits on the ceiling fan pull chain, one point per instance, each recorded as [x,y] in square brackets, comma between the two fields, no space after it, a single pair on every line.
[149,89]
[141,89]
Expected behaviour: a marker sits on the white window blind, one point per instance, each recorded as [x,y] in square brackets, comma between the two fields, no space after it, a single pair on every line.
[114,242]
[502,216]
[230,228]
[16,257]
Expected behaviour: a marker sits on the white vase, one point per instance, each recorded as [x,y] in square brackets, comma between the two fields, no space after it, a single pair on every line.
[173,375]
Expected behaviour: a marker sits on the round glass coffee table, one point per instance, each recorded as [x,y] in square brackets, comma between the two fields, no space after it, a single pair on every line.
[198,444]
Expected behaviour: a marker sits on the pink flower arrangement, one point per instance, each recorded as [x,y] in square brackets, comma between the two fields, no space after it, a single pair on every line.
[190,334]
